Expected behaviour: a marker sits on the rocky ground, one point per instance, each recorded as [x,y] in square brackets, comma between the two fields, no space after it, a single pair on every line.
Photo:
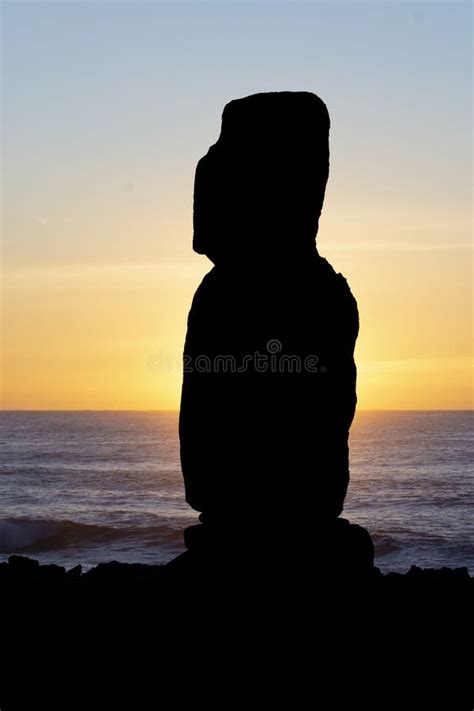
[25,571]
[294,637]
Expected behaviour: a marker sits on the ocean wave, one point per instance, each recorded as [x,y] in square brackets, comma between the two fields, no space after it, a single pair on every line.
[385,544]
[39,535]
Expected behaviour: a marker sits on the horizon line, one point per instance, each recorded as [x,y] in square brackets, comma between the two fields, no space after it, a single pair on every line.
[177,410]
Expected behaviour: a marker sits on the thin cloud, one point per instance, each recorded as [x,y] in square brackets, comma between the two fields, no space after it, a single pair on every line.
[84,272]
[398,247]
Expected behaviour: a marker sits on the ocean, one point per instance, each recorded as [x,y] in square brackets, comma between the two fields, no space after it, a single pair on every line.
[93,486]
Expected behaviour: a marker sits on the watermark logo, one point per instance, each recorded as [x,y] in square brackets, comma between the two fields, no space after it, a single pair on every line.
[272,360]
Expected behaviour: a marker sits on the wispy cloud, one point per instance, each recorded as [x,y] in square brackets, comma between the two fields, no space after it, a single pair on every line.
[398,247]
[410,365]
[75,275]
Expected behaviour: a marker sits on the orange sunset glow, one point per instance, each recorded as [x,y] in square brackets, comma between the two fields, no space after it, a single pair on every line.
[98,269]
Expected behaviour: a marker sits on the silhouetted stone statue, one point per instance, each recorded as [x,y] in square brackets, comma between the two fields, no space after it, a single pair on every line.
[269,390]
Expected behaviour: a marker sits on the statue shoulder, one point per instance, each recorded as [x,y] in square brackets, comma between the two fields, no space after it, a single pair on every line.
[338,280]
[342,295]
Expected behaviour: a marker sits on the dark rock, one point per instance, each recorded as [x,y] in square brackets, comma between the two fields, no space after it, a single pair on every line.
[345,552]
[114,572]
[52,572]
[395,577]
[328,553]
[4,568]
[437,575]
[22,565]
[74,573]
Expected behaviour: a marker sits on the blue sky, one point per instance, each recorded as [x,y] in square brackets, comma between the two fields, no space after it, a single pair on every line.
[108,103]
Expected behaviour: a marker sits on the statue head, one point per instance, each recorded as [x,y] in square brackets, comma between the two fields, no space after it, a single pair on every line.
[259,191]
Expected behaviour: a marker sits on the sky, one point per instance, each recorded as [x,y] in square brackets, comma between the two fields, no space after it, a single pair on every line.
[108,106]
